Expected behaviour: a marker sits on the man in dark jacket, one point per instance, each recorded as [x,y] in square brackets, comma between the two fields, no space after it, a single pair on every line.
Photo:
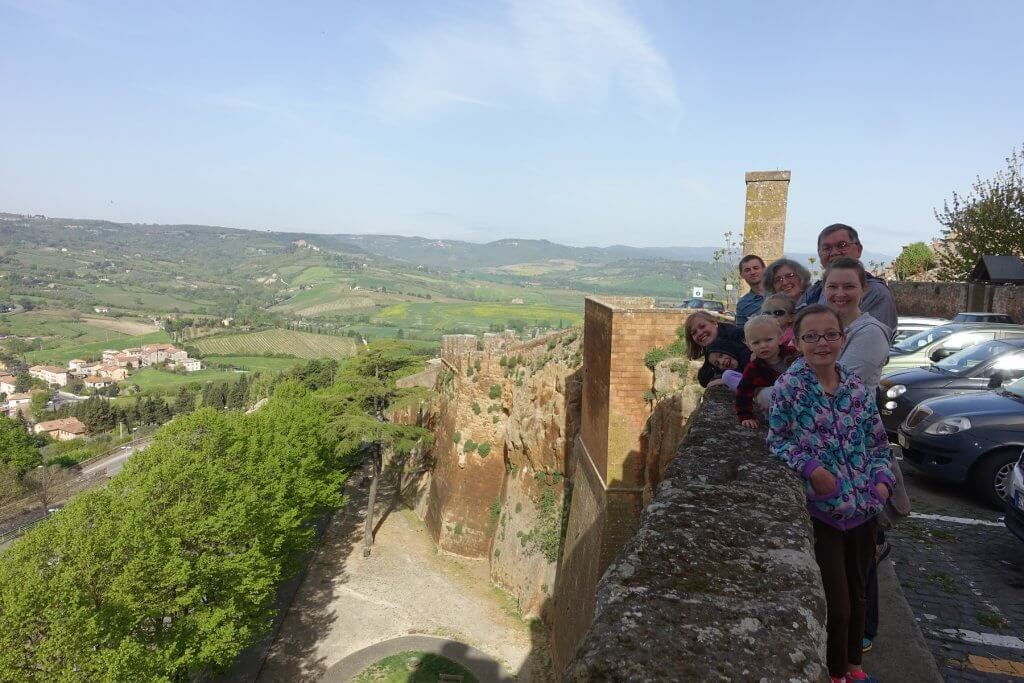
[838,240]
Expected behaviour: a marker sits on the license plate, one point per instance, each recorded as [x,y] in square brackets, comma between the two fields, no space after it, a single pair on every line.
[902,440]
[1018,500]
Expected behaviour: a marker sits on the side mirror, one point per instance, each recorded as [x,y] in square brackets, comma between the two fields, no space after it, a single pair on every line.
[940,353]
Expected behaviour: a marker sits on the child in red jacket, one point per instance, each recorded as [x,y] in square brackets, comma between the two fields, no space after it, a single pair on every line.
[769,360]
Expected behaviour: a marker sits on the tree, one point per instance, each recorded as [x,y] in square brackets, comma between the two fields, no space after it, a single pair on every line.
[184,401]
[47,483]
[39,403]
[22,381]
[361,396]
[17,447]
[988,220]
[914,259]
[726,258]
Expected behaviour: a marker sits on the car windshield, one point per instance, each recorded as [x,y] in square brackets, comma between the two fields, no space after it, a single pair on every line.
[922,339]
[966,359]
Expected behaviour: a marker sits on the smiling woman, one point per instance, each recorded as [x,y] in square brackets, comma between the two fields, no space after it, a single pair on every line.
[786,276]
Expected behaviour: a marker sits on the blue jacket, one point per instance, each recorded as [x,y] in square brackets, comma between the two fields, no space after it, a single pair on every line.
[747,307]
[844,434]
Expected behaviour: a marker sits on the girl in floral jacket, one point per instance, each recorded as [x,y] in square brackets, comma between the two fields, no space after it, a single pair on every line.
[826,427]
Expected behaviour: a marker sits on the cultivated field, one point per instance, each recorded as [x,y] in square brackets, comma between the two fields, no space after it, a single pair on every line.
[300,344]
[476,317]
[122,325]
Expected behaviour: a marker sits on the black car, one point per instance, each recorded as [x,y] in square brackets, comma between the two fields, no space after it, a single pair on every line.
[975,439]
[981,367]
[704,305]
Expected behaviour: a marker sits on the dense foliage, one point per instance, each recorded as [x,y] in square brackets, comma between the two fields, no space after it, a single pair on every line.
[989,220]
[171,570]
[914,259]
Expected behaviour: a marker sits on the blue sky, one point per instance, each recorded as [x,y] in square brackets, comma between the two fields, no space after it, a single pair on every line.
[584,122]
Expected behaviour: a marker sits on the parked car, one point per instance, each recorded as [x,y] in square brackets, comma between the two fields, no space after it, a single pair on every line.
[704,304]
[981,367]
[930,346]
[908,325]
[982,317]
[975,439]
[1014,519]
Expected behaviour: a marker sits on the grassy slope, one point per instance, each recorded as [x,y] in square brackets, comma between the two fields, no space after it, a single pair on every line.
[62,354]
[163,383]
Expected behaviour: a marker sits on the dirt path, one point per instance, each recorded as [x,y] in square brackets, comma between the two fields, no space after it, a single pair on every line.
[349,602]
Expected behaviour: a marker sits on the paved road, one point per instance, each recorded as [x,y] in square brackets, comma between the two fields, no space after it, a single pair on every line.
[962,572]
[484,667]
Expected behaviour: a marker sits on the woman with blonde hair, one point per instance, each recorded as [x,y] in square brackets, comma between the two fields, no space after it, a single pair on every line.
[703,330]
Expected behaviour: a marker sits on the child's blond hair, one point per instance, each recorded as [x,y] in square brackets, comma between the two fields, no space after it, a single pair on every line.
[762,321]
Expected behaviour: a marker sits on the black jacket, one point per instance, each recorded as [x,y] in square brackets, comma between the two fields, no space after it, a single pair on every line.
[730,333]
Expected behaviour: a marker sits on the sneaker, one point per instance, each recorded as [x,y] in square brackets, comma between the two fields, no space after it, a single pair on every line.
[882,551]
[866,645]
[860,677]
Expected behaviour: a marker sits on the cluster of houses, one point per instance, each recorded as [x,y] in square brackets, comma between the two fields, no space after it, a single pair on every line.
[113,367]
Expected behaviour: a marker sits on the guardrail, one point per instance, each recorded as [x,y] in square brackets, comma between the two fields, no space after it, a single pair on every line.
[17,531]
[26,503]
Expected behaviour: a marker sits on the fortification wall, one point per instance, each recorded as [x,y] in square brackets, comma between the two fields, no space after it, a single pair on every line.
[719,582]
[610,457]
[946,299]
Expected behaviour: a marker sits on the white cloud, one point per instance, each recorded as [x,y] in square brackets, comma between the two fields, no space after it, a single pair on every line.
[558,52]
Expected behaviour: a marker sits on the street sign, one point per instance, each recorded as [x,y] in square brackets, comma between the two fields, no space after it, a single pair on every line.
[698,292]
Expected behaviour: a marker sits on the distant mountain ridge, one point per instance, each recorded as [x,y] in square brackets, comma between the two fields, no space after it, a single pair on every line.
[440,253]
[431,252]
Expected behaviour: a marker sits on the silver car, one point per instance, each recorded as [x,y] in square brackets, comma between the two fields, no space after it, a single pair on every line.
[930,346]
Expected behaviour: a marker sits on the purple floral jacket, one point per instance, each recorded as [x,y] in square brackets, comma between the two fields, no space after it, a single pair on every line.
[844,434]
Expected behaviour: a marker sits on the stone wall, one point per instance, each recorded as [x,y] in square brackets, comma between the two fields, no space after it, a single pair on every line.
[946,299]
[720,581]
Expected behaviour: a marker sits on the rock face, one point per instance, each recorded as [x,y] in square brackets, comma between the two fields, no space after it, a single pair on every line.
[506,412]
[720,582]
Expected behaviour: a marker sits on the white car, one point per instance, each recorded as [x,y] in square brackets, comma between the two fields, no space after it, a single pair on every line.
[909,325]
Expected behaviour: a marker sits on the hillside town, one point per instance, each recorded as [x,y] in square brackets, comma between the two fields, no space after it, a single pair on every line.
[113,368]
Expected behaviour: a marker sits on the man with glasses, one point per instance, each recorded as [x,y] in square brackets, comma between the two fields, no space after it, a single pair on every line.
[839,240]
[751,270]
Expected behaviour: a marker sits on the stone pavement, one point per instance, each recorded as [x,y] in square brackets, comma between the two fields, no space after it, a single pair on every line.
[962,572]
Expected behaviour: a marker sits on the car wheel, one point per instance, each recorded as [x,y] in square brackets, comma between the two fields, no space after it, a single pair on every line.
[992,476]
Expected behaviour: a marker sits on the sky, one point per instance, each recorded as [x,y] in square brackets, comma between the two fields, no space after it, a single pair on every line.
[586,122]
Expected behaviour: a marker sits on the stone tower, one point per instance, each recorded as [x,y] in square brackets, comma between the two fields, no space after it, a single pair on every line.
[764,221]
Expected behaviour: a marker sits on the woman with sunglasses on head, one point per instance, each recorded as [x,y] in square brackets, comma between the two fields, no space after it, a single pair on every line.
[786,276]
[784,310]
[825,426]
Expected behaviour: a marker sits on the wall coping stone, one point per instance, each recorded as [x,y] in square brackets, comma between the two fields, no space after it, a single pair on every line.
[761,176]
[720,581]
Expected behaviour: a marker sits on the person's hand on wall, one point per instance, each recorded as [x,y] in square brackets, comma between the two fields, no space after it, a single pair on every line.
[749,424]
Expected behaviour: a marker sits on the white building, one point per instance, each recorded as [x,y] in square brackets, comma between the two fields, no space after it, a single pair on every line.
[50,374]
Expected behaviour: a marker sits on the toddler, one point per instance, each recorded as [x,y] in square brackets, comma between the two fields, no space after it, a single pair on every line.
[770,359]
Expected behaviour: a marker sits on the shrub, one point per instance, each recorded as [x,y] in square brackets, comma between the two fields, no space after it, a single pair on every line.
[476,408]
[484,450]
[655,356]
[469,446]
[458,529]
[495,391]
[456,437]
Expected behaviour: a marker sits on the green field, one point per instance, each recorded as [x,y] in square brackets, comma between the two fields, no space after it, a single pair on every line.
[57,326]
[300,344]
[476,317]
[62,354]
[163,383]
[254,363]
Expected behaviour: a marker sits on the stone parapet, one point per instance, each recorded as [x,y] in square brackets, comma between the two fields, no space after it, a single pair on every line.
[720,581]
[764,220]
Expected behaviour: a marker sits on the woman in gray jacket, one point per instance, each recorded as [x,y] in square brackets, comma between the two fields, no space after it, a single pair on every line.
[866,350]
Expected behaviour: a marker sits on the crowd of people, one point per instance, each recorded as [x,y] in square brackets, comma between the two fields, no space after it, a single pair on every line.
[805,359]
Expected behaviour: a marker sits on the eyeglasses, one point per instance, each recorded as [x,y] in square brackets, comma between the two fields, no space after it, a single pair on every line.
[813,337]
[783,278]
[778,313]
[838,246]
